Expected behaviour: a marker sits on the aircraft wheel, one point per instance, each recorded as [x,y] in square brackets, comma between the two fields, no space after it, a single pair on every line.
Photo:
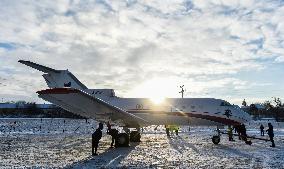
[216,139]
[122,140]
[135,136]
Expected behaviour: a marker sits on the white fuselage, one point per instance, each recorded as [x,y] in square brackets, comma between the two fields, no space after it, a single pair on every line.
[181,111]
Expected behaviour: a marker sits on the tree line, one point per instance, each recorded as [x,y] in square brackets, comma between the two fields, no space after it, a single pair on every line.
[269,109]
[31,110]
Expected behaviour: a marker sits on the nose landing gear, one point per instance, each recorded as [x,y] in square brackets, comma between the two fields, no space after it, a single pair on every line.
[123,139]
[216,139]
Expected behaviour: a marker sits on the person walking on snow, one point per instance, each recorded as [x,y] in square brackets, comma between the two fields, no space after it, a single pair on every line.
[243,132]
[96,136]
[270,134]
[113,133]
[261,130]
[238,130]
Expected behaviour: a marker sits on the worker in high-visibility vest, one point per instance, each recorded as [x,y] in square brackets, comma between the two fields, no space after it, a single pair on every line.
[174,128]
[230,133]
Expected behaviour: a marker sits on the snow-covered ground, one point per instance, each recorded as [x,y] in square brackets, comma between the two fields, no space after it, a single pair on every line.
[42,143]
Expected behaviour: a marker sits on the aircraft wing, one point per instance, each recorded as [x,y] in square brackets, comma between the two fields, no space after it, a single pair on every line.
[81,103]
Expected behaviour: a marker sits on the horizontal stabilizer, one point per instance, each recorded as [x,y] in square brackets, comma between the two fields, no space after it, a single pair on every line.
[81,103]
[56,78]
[39,67]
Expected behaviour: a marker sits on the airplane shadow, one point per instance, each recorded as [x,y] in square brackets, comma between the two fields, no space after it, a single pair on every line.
[108,159]
[179,144]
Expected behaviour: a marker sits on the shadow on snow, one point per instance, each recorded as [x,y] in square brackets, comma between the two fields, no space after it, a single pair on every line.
[111,158]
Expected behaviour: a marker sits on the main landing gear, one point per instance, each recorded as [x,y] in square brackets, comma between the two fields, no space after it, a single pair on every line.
[217,138]
[123,139]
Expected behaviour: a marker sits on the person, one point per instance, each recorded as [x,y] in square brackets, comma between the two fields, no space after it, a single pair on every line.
[261,130]
[244,103]
[113,133]
[173,129]
[238,130]
[270,134]
[96,136]
[243,132]
[15,123]
[167,130]
[230,133]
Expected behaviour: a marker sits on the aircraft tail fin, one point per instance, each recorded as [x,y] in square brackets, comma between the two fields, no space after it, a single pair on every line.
[56,78]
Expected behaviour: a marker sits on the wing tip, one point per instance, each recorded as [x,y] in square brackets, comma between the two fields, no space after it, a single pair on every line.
[22,61]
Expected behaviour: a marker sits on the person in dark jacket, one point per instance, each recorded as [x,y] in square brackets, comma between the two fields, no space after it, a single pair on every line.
[261,130]
[96,136]
[237,130]
[270,134]
[113,133]
[243,132]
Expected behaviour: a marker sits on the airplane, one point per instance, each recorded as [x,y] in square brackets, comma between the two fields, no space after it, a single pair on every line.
[67,92]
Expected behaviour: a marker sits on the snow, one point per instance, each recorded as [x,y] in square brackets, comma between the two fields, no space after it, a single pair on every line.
[24,144]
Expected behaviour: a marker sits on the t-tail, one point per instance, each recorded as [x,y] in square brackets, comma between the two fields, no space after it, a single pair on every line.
[56,78]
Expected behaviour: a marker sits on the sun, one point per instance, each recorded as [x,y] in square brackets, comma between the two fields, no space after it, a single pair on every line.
[156,90]
[157,100]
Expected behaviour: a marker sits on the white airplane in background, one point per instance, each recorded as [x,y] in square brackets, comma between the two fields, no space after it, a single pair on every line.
[102,105]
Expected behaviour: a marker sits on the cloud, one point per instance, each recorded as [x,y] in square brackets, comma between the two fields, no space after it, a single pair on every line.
[121,44]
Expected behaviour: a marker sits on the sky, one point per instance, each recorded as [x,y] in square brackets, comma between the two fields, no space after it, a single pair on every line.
[230,49]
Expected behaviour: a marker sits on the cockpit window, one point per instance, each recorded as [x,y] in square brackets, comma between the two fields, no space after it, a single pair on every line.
[225,104]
